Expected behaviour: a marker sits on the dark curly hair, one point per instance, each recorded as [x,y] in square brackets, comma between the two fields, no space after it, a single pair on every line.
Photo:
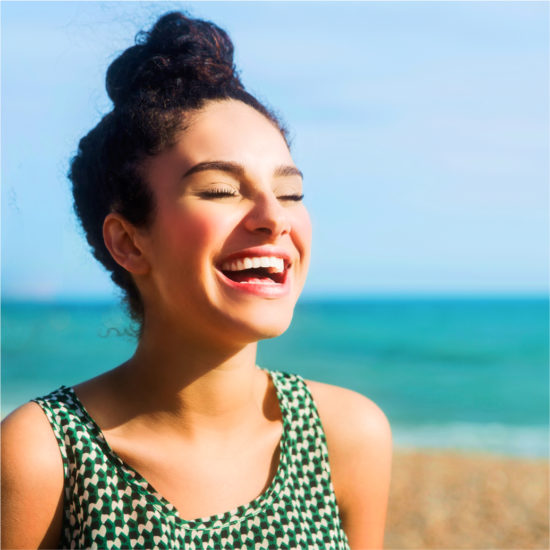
[176,67]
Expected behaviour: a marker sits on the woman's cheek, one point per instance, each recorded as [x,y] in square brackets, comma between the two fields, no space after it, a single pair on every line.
[190,227]
[208,231]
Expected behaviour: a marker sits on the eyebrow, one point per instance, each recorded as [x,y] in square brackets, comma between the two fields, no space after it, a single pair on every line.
[238,169]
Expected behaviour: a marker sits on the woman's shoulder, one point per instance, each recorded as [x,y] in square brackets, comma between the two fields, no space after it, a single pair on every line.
[32,480]
[359,445]
[28,433]
[346,413]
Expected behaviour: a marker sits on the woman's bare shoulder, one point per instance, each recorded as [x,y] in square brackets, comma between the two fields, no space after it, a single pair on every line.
[27,435]
[346,414]
[360,447]
[32,480]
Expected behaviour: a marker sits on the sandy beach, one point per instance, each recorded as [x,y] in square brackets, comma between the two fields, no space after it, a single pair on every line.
[450,500]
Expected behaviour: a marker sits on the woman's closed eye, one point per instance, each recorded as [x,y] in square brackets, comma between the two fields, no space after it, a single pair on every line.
[218,192]
[296,197]
[223,192]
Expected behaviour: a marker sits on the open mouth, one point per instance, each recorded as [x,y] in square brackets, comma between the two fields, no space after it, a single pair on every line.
[265,270]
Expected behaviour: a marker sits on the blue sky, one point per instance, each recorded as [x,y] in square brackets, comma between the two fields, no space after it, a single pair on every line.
[422,130]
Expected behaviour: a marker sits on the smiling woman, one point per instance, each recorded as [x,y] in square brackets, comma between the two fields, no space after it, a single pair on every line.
[228,190]
[189,196]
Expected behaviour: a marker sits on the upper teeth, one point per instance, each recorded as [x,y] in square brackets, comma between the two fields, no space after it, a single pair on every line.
[278,264]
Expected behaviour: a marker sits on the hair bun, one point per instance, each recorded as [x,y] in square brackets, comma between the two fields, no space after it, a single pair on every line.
[178,53]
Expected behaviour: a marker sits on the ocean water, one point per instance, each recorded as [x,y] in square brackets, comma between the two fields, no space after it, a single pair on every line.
[466,374]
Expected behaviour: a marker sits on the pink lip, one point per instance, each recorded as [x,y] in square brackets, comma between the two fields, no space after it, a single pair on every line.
[273,290]
[268,290]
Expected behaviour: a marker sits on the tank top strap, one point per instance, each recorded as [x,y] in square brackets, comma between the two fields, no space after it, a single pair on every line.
[65,420]
[296,402]
[73,432]
[309,467]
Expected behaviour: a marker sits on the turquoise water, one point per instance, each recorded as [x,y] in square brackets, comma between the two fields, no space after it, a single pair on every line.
[468,374]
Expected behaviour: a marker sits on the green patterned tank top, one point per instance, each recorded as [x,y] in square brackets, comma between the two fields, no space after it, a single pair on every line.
[108,504]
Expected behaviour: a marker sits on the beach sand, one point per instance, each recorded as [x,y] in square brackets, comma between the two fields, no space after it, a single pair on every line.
[450,500]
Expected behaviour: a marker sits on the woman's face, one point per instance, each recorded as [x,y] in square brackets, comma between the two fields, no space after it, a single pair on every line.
[229,246]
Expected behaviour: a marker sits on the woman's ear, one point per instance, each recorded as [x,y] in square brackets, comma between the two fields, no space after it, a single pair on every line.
[120,239]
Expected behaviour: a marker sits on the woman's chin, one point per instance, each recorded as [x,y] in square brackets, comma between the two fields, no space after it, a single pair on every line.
[264,325]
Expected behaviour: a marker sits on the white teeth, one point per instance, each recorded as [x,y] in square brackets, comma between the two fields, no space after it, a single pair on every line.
[259,282]
[277,265]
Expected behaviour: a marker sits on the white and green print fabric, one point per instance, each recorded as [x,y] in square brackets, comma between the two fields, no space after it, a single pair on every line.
[107,504]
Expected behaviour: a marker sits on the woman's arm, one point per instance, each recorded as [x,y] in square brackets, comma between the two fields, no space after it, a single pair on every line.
[360,447]
[32,481]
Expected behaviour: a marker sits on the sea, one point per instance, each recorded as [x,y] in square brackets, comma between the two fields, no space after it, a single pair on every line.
[462,374]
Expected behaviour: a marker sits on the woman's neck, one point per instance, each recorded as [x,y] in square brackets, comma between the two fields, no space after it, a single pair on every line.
[192,386]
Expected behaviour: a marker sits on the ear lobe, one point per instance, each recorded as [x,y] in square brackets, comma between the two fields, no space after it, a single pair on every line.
[119,237]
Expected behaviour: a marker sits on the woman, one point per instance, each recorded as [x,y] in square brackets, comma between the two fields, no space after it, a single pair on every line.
[189,196]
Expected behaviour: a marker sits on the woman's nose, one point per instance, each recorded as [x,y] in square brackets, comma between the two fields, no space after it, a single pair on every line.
[268,216]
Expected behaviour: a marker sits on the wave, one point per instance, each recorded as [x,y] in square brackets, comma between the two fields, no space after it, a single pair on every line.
[524,441]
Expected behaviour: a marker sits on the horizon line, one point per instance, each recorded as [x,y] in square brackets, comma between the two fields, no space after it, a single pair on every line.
[305,298]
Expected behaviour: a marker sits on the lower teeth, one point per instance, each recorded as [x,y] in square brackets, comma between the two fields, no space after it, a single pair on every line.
[259,282]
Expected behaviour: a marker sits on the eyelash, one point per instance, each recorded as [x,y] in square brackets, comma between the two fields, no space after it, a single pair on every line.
[220,193]
[296,198]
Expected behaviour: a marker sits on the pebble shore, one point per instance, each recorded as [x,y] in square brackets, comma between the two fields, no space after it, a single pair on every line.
[445,500]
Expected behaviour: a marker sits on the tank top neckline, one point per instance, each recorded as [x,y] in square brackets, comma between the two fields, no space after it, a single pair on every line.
[215,521]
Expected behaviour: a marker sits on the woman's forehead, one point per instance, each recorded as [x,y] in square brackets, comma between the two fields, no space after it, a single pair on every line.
[224,131]
[231,130]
